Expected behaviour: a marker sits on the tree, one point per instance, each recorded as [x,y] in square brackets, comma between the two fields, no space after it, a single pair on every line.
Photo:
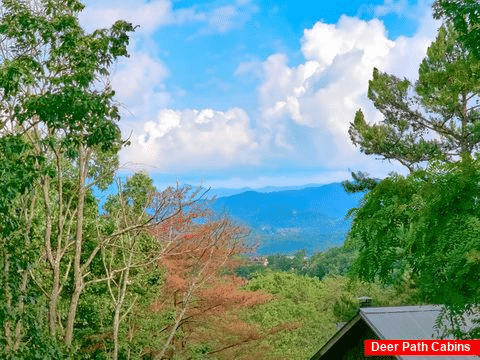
[437,118]
[361,183]
[424,227]
[213,326]
[132,251]
[465,15]
[56,102]
[198,247]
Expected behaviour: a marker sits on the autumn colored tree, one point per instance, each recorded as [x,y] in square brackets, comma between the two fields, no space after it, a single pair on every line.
[214,325]
[199,251]
[198,248]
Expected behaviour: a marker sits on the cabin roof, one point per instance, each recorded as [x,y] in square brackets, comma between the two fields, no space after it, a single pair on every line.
[396,322]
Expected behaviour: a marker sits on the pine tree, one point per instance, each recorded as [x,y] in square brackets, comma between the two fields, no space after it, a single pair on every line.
[435,118]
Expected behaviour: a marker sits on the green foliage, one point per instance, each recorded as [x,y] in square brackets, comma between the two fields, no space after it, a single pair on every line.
[422,229]
[465,15]
[306,310]
[433,119]
[67,71]
[296,262]
[361,182]
[249,271]
[137,193]
[298,307]
[58,129]
[426,226]
[19,168]
[333,261]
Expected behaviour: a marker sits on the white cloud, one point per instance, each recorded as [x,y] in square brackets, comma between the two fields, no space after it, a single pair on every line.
[156,13]
[403,8]
[324,42]
[324,91]
[138,82]
[391,6]
[175,139]
[227,17]
[223,19]
[249,69]
[293,180]
[194,139]
[318,96]
[149,15]
[137,74]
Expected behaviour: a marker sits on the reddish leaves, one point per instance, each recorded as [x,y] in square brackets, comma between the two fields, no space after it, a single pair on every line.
[199,253]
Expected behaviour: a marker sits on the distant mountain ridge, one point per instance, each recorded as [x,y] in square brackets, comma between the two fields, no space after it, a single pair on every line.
[284,219]
[224,192]
[311,218]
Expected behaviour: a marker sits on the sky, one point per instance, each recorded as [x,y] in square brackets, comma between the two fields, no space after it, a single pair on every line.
[255,93]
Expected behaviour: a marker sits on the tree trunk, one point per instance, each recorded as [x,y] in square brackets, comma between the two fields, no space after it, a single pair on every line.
[72,312]
[20,309]
[118,307]
[77,268]
[178,320]
[116,327]
[52,304]
[8,296]
[25,275]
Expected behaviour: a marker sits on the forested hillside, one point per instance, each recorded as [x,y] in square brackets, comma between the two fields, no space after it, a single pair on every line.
[286,221]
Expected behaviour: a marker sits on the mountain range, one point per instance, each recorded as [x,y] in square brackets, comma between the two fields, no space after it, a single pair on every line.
[285,221]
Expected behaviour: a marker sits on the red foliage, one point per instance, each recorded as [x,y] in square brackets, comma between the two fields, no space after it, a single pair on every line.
[199,252]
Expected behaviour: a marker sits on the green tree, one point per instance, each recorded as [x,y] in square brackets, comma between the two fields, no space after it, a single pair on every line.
[424,227]
[361,182]
[132,252]
[333,261]
[436,118]
[465,15]
[53,100]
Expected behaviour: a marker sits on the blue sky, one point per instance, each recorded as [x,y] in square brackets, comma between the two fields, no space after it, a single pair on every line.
[235,93]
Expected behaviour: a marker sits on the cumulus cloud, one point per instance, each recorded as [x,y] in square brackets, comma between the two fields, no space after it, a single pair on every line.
[175,138]
[197,139]
[138,82]
[323,92]
[304,110]
[324,42]
[136,75]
